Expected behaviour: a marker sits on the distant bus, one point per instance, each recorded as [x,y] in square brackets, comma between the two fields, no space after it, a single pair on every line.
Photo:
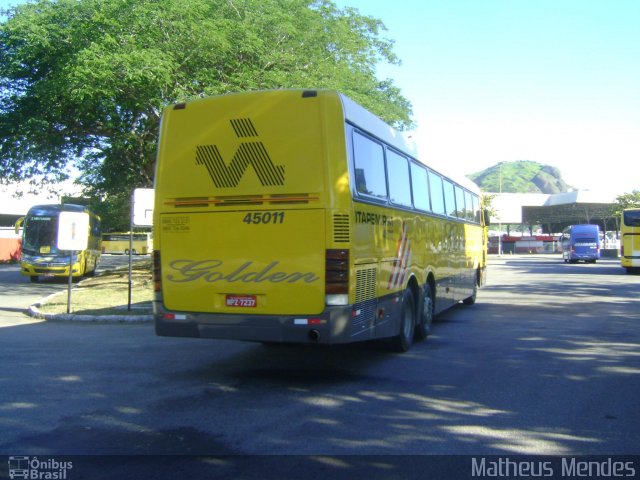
[630,236]
[119,243]
[581,242]
[298,216]
[40,255]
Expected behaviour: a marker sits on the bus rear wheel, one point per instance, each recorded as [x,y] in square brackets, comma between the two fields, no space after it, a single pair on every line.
[34,278]
[423,328]
[404,340]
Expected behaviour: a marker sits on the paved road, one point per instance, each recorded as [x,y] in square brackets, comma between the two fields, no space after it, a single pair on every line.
[547,362]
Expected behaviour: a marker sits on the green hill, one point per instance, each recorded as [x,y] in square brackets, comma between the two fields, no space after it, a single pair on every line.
[522,176]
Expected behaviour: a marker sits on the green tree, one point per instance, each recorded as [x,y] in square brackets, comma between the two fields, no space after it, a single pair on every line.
[627,200]
[83,82]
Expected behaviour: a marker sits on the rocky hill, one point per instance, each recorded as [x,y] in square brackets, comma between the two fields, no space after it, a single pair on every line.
[522,176]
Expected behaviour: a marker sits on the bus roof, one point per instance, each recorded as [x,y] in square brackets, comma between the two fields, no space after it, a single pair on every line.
[369,122]
[364,119]
[56,207]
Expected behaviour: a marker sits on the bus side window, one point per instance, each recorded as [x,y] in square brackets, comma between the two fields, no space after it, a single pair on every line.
[449,198]
[469,214]
[478,213]
[420,188]
[399,183]
[460,207]
[369,167]
[437,195]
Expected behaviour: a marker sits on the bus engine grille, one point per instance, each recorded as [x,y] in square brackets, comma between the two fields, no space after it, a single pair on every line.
[365,307]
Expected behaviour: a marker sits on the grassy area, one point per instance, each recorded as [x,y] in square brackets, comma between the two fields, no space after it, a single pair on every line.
[107,293]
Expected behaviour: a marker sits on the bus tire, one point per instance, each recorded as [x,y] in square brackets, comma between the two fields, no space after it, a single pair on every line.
[34,278]
[403,341]
[423,328]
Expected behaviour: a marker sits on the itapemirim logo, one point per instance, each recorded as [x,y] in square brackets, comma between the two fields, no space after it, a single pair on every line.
[38,469]
[248,154]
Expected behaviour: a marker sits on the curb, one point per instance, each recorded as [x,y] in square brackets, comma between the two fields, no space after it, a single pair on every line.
[34,311]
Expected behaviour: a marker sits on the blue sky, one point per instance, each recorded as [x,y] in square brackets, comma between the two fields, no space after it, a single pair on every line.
[554,81]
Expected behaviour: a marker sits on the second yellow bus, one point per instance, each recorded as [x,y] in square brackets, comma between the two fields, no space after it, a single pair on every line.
[121,243]
[630,240]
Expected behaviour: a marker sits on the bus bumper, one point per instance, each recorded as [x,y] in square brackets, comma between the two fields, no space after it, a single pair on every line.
[333,326]
[36,270]
[630,262]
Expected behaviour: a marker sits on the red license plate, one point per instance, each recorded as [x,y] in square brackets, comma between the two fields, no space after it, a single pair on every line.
[241,301]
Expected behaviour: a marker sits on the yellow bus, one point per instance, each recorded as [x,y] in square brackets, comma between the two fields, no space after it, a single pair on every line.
[630,236]
[298,216]
[120,243]
[40,255]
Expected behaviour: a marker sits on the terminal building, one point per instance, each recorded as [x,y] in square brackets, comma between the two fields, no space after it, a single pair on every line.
[531,222]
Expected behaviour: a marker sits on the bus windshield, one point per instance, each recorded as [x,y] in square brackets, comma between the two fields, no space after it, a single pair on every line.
[631,218]
[40,234]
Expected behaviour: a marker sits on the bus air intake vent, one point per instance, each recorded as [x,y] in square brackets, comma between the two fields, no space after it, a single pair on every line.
[341,228]
[365,284]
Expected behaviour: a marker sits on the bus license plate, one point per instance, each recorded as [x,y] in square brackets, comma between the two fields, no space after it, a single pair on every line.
[241,301]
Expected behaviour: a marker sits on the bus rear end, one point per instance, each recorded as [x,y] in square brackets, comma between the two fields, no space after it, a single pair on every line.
[582,243]
[243,238]
[630,240]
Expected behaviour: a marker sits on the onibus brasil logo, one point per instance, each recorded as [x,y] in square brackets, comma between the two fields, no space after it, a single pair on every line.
[38,468]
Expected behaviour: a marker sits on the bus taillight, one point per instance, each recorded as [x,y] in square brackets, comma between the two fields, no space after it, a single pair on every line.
[337,277]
